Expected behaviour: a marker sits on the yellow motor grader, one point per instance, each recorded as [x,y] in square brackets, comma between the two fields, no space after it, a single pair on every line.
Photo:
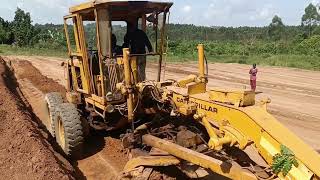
[181,123]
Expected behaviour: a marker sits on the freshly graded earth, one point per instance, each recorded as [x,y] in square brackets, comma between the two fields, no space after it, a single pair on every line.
[103,158]
[25,151]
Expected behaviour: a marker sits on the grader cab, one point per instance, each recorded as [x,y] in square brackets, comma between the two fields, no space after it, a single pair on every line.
[180,123]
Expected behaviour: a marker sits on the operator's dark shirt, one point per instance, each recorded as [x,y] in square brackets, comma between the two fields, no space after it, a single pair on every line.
[117,50]
[137,41]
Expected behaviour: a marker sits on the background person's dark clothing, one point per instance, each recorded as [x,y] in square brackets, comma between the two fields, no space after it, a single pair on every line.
[137,41]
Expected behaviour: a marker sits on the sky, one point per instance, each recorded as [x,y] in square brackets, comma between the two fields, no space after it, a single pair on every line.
[199,12]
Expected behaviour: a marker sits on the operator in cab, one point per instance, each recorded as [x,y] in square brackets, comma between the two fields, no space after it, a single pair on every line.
[137,40]
[117,50]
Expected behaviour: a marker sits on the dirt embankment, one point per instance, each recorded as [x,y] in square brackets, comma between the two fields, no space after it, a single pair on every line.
[25,152]
[26,71]
[103,156]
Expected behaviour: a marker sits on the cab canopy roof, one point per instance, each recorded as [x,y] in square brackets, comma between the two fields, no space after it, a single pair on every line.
[119,9]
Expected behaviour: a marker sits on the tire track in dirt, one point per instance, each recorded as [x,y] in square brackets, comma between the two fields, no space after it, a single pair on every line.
[41,63]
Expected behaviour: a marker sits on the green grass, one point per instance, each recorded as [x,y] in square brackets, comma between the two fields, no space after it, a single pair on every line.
[30,51]
[294,61]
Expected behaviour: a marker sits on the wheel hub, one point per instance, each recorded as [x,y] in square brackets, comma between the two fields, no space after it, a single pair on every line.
[61,133]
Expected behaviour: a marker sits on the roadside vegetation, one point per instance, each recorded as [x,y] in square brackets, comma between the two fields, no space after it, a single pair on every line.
[31,51]
[275,44]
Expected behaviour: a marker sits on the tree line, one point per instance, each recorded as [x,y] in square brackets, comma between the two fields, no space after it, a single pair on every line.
[275,38]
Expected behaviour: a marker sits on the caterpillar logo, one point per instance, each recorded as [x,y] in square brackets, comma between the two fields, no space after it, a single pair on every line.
[198,105]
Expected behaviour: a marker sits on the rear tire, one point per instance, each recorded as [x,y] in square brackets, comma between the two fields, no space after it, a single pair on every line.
[69,130]
[53,100]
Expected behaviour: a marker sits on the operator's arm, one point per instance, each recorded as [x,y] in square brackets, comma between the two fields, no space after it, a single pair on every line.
[125,41]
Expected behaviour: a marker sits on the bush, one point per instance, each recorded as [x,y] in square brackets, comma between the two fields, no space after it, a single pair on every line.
[310,46]
[49,45]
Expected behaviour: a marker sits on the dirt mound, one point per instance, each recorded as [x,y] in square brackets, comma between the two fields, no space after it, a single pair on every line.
[116,152]
[25,70]
[24,152]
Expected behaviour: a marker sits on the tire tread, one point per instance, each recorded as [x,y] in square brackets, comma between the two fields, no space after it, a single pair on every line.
[74,135]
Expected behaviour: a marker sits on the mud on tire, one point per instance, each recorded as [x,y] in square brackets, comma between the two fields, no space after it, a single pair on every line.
[53,100]
[69,130]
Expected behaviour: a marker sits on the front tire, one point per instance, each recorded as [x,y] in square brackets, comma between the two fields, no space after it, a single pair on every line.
[69,130]
[53,100]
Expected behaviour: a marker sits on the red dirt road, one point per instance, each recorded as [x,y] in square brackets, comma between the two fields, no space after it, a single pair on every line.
[294,93]
[295,98]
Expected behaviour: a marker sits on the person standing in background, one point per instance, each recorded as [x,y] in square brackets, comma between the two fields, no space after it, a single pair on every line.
[253,77]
